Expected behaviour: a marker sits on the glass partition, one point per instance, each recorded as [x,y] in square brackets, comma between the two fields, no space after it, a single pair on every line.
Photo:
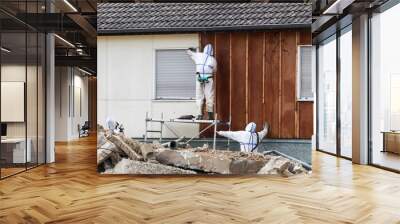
[14,153]
[346,92]
[385,89]
[34,51]
[41,97]
[32,95]
[22,78]
[327,95]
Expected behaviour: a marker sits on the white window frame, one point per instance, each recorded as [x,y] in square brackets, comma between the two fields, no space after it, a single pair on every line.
[298,76]
[176,99]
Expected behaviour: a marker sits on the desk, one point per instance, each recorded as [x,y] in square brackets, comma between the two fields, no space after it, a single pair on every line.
[391,141]
[13,150]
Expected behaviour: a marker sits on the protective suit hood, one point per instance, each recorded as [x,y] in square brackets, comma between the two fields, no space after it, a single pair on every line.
[110,123]
[251,127]
[208,49]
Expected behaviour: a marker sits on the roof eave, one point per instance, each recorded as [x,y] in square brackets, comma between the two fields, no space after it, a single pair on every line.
[201,29]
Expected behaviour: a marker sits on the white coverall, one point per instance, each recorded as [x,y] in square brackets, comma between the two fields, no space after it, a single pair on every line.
[206,66]
[247,138]
[112,125]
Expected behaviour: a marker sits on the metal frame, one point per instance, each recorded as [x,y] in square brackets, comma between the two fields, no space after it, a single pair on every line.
[0,93]
[369,101]
[338,97]
[316,97]
[211,123]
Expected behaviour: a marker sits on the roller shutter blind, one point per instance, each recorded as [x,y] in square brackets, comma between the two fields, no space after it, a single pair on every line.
[175,75]
[304,78]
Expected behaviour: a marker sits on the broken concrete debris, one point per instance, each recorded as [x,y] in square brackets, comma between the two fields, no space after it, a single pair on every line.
[121,144]
[119,154]
[127,166]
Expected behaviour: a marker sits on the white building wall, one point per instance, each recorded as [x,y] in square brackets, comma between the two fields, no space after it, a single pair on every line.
[67,112]
[61,103]
[126,80]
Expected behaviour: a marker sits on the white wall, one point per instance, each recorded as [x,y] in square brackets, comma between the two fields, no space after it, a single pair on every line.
[126,71]
[67,114]
[33,126]
[61,103]
[17,73]
[81,82]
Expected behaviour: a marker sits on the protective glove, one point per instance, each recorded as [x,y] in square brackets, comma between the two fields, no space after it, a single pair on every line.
[266,126]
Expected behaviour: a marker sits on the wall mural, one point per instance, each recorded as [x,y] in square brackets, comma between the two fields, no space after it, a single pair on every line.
[203,103]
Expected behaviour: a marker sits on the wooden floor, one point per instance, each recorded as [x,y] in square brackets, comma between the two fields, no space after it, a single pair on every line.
[386,159]
[10,171]
[70,191]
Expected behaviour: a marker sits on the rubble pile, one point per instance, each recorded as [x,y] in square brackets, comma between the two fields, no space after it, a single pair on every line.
[119,154]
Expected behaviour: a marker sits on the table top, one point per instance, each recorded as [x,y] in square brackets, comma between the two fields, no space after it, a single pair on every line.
[391,132]
[13,140]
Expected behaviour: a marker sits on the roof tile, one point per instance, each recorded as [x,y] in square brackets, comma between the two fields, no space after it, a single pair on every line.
[187,17]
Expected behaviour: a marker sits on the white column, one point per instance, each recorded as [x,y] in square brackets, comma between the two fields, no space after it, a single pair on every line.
[360,90]
[314,89]
[50,100]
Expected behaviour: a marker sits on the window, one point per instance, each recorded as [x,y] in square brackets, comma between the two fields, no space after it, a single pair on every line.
[304,73]
[385,89]
[334,98]
[394,102]
[175,75]
[327,95]
[345,94]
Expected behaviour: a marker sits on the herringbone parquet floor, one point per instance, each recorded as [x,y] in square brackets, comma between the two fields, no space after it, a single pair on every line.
[70,191]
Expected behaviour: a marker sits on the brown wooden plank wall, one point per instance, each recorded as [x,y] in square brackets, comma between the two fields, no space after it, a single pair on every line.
[92,99]
[256,80]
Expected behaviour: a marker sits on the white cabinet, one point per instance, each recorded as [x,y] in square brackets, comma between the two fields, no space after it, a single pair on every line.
[19,155]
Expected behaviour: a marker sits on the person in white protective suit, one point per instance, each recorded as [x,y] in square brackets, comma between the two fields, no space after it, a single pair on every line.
[114,126]
[206,66]
[249,139]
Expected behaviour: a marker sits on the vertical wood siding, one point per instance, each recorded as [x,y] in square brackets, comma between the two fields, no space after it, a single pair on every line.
[288,84]
[255,78]
[222,87]
[92,100]
[256,81]
[272,80]
[238,75]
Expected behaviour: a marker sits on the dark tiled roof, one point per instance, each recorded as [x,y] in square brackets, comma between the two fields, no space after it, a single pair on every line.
[120,18]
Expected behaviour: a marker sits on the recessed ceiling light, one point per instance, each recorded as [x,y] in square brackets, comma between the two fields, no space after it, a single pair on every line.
[70,5]
[84,71]
[5,50]
[64,40]
[338,6]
